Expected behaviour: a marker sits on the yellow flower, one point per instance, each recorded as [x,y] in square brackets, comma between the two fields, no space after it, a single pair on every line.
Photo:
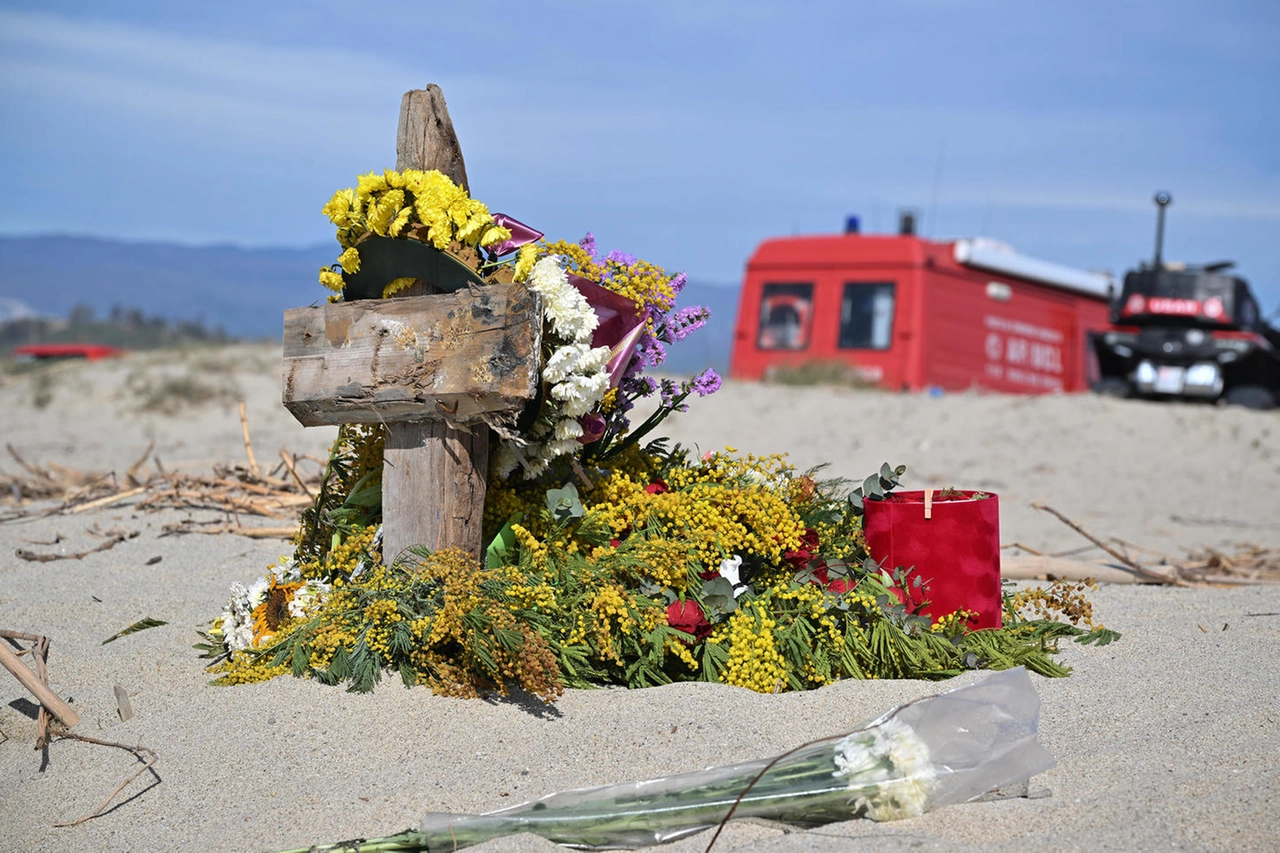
[371,183]
[524,261]
[332,280]
[350,260]
[340,208]
[397,285]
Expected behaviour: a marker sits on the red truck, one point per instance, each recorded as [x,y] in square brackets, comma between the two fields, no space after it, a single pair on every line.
[910,313]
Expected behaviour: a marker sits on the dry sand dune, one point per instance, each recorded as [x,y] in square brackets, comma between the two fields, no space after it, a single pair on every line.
[1166,739]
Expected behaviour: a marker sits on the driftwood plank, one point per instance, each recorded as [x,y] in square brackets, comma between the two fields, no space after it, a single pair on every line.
[425,138]
[433,486]
[451,357]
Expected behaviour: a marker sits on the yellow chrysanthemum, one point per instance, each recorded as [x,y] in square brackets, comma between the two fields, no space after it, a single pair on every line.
[524,261]
[350,260]
[332,280]
[339,208]
[367,185]
[397,285]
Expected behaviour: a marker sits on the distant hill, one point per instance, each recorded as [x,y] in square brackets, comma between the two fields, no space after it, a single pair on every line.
[242,291]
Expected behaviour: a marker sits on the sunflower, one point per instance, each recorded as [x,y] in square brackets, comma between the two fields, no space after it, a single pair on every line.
[273,612]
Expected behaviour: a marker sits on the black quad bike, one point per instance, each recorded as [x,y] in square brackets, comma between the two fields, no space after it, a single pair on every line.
[1188,332]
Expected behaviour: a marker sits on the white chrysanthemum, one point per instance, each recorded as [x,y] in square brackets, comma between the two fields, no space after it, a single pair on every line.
[505,462]
[564,362]
[309,594]
[571,317]
[888,769]
[237,616]
[568,429]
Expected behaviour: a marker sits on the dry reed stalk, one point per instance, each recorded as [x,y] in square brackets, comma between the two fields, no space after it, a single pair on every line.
[248,445]
[136,750]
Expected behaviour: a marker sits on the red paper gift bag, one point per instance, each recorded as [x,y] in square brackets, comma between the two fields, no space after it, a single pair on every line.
[952,539]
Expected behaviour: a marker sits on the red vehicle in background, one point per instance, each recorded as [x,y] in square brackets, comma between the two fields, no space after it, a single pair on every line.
[910,313]
[91,352]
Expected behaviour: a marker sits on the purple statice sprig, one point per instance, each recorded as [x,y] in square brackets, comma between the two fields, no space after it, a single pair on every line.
[683,322]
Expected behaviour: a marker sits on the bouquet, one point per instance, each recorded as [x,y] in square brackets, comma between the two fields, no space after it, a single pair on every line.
[934,752]
[612,556]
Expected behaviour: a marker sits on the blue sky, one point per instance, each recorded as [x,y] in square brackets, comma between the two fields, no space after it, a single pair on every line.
[684,131]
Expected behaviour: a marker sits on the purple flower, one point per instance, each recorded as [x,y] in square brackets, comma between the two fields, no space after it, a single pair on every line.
[685,322]
[706,382]
[620,258]
[669,392]
[588,243]
[678,282]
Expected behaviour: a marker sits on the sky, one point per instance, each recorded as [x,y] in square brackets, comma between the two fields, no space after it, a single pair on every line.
[682,131]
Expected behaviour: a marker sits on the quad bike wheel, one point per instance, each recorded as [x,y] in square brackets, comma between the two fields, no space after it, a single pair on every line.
[1250,396]
[1113,386]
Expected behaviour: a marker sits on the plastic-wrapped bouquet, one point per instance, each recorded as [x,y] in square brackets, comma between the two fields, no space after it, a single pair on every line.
[934,752]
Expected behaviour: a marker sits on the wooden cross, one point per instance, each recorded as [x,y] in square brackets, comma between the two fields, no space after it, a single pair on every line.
[431,366]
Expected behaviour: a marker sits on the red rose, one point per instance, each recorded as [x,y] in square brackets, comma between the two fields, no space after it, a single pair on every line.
[840,586]
[800,557]
[657,487]
[686,615]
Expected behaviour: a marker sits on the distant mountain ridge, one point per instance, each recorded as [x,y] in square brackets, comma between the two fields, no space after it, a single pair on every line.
[244,291]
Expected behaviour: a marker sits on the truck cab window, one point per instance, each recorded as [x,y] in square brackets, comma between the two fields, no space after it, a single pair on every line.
[866,315]
[786,317]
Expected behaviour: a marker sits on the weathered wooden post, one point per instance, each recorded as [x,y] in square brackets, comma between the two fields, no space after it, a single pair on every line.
[431,366]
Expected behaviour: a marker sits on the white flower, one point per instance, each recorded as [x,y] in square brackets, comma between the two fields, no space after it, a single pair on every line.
[568,428]
[575,373]
[567,309]
[729,570]
[237,616]
[505,462]
[889,771]
[312,592]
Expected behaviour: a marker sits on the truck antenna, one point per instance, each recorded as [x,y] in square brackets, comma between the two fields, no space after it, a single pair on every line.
[1163,200]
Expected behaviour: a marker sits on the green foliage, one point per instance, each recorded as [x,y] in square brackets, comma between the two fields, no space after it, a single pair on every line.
[140,625]
[876,486]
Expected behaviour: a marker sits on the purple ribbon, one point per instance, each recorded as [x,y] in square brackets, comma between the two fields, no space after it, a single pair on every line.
[521,235]
[620,324]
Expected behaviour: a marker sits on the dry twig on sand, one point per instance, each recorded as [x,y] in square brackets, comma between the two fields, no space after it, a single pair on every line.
[1251,564]
[38,682]
[113,539]
[232,490]
[1148,574]
[144,754]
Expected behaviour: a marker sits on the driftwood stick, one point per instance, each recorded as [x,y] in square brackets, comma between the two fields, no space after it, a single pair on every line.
[132,474]
[46,697]
[1155,577]
[21,635]
[290,465]
[39,652]
[136,750]
[31,469]
[33,557]
[108,500]
[1022,547]
[248,446]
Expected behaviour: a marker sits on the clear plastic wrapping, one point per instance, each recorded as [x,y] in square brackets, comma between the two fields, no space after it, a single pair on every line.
[934,752]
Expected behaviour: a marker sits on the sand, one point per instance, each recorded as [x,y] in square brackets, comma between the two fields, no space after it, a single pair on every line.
[1164,740]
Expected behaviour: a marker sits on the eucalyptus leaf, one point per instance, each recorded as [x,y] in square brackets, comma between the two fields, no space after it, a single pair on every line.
[140,625]
[717,598]
[564,503]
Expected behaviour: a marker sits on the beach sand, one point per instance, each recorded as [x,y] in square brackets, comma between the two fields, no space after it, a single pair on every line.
[1167,739]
